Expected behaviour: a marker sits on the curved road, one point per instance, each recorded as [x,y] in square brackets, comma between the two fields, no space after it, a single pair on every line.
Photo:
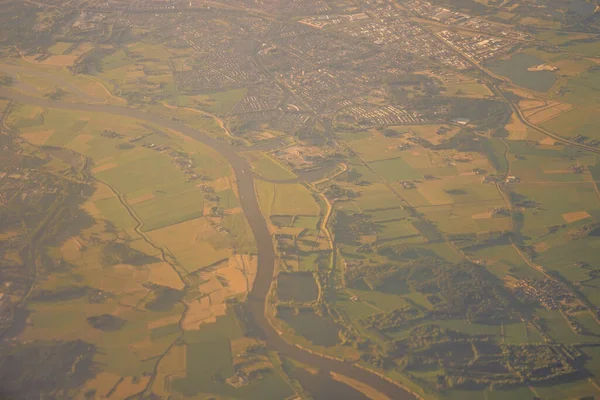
[264,243]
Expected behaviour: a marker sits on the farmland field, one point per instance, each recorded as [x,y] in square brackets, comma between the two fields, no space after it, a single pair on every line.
[292,199]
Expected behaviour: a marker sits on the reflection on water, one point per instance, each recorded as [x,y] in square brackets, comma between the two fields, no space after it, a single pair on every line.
[322,387]
[515,69]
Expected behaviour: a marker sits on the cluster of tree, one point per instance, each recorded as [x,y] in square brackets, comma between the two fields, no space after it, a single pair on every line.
[515,365]
[106,322]
[393,320]
[163,298]
[65,294]
[592,229]
[348,228]
[457,290]
[374,276]
[37,369]
[120,253]
[335,192]
[31,28]
[480,240]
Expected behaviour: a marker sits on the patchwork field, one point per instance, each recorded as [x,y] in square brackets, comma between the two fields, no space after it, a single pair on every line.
[286,199]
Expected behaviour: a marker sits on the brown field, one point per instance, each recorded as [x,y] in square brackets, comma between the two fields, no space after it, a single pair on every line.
[104,167]
[368,391]
[545,114]
[485,215]
[576,216]
[37,138]
[541,247]
[8,235]
[163,274]
[170,320]
[102,383]
[199,312]
[80,143]
[141,199]
[93,210]
[548,141]
[60,60]
[238,274]
[516,129]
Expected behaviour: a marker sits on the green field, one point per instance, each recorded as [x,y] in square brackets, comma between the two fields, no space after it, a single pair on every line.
[376,197]
[395,169]
[286,199]
[59,47]
[267,167]
[578,121]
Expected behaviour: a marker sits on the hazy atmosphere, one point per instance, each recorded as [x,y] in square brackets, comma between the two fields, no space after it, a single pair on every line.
[299,199]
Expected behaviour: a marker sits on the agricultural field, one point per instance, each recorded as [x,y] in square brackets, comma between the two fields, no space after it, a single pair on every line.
[286,199]
[267,168]
[407,188]
[131,275]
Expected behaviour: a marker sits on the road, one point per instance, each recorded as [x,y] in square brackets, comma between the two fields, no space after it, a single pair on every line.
[266,252]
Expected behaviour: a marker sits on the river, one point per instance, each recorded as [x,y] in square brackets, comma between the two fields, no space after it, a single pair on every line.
[321,388]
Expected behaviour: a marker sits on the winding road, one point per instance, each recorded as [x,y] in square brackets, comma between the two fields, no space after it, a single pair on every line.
[266,253]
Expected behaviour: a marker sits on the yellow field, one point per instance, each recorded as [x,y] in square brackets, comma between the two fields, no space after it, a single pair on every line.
[199,312]
[104,167]
[140,199]
[163,274]
[485,215]
[572,67]
[81,143]
[542,23]
[548,141]
[541,115]
[60,60]
[170,320]
[38,138]
[286,199]
[194,243]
